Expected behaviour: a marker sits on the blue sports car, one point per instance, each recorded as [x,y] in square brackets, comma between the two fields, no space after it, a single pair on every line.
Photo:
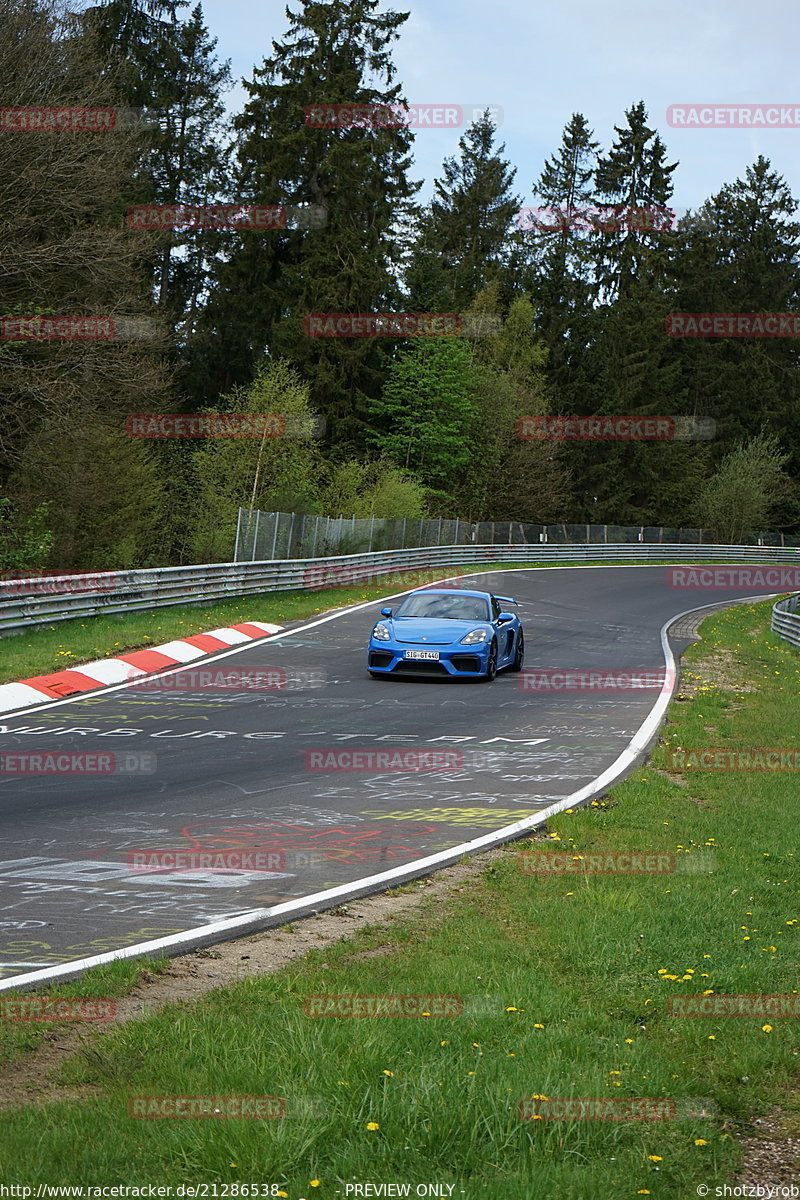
[447,632]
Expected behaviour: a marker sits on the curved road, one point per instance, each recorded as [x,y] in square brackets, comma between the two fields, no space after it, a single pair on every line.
[237,772]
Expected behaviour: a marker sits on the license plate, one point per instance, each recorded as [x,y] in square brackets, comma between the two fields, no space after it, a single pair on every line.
[426,654]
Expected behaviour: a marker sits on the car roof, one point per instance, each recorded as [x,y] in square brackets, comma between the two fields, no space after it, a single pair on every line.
[449,592]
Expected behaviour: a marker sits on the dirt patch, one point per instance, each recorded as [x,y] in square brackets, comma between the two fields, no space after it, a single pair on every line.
[681,780]
[30,1078]
[772,1158]
[717,668]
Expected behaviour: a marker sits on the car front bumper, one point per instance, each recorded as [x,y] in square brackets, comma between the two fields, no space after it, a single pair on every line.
[388,658]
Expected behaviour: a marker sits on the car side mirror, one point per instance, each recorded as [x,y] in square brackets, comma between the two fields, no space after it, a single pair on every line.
[504,618]
[386,612]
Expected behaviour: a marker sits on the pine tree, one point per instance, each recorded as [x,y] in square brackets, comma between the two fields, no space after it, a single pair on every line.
[464,238]
[741,254]
[633,176]
[561,285]
[333,53]
[167,69]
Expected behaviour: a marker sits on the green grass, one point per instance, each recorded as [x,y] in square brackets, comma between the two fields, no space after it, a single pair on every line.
[113,980]
[576,1006]
[67,644]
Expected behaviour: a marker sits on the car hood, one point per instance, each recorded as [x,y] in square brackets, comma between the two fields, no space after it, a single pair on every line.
[428,631]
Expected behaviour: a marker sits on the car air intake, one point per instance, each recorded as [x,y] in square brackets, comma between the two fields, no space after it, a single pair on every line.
[466,662]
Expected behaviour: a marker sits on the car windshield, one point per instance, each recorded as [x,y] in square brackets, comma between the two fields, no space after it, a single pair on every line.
[456,608]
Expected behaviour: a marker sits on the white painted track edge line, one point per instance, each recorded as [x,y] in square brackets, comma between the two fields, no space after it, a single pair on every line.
[260,919]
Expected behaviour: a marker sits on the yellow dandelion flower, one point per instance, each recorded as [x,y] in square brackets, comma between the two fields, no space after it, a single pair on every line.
[373,1125]
[767,1028]
[700,1142]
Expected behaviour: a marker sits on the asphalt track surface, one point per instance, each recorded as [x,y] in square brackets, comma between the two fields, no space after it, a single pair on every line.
[229,772]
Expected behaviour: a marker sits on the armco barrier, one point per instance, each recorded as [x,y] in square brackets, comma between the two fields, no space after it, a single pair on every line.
[785,620]
[129,591]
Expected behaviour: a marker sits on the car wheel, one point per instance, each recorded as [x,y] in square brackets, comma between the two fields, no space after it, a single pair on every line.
[491,664]
[519,657]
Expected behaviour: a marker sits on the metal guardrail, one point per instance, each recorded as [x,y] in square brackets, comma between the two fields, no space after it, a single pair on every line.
[786,621]
[25,603]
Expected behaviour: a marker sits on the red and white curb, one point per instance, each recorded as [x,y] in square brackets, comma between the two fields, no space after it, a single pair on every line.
[88,677]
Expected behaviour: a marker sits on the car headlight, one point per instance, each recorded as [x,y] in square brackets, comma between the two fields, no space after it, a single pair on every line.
[473,637]
[381,634]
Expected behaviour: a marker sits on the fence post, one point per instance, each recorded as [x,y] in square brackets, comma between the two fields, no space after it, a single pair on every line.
[605,534]
[404,534]
[238,527]
[371,528]
[289,539]
[316,529]
[275,535]
[439,533]
[255,536]
[456,535]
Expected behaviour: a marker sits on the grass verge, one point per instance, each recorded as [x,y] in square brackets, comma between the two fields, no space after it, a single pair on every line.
[567,980]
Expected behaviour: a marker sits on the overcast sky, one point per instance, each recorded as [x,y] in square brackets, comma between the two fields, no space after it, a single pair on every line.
[540,62]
